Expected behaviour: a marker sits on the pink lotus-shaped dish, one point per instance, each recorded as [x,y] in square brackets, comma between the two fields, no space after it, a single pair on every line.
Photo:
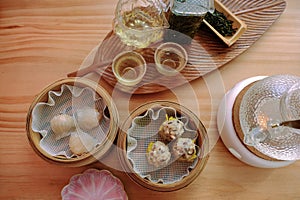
[93,184]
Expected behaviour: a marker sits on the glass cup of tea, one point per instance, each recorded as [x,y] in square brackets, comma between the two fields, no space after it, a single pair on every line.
[129,68]
[170,58]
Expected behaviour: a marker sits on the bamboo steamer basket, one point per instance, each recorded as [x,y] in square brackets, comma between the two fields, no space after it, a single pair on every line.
[202,141]
[85,159]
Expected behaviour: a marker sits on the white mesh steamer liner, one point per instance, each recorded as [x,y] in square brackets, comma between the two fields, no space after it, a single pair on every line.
[143,130]
[66,101]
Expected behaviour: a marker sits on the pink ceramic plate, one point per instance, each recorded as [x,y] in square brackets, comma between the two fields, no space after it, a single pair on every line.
[94,184]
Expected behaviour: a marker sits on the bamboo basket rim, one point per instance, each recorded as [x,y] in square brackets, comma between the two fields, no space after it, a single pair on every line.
[95,154]
[127,166]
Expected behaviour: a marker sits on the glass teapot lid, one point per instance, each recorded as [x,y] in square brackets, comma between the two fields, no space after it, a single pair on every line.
[266,104]
[193,7]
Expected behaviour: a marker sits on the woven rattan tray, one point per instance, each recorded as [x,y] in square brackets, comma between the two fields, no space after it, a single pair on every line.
[207,52]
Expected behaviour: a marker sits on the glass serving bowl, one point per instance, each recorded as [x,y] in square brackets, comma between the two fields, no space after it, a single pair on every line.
[267,102]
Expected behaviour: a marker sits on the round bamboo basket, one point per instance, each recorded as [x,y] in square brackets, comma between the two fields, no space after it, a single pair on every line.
[85,159]
[202,142]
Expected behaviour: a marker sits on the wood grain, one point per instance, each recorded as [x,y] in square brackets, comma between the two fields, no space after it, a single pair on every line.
[206,52]
[42,41]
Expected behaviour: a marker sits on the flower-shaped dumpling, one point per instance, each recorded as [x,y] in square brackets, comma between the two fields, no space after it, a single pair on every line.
[94,184]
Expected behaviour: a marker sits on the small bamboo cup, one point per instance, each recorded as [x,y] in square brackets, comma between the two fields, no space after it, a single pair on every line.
[34,137]
[202,142]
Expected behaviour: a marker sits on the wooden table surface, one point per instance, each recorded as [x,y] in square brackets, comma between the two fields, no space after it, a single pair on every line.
[41,41]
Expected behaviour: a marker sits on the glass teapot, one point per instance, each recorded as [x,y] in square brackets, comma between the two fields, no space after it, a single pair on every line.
[265,108]
[138,23]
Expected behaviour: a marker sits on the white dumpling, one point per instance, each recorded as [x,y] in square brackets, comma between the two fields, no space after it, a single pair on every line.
[81,142]
[62,125]
[88,118]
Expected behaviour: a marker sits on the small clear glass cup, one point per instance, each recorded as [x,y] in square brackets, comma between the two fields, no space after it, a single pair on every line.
[170,58]
[129,68]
